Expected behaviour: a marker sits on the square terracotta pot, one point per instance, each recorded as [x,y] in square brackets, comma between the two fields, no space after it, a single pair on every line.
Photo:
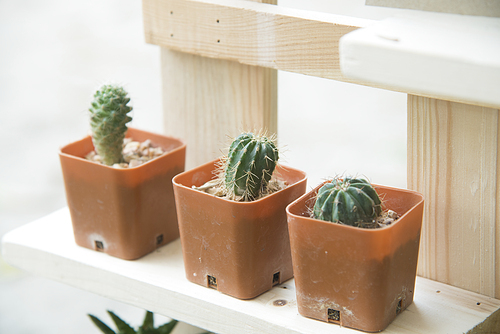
[239,248]
[126,213]
[355,277]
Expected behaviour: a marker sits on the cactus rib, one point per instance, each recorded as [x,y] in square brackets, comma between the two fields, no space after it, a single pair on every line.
[249,166]
[347,201]
[108,121]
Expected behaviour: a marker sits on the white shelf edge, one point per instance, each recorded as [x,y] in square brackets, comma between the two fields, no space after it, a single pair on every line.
[157,283]
[451,56]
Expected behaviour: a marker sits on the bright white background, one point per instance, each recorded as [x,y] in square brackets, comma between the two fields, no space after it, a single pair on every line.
[55,53]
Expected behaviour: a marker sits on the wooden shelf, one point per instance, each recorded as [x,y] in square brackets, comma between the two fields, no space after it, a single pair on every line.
[453,57]
[156,282]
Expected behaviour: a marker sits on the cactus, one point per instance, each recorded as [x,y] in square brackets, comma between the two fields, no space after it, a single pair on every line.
[108,121]
[124,328]
[249,166]
[347,201]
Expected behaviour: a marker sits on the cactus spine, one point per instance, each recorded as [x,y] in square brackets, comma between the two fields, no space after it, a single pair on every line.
[249,166]
[347,201]
[108,121]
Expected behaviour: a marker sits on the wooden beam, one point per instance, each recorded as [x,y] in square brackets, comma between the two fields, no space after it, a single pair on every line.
[207,101]
[452,57]
[251,33]
[463,7]
[453,160]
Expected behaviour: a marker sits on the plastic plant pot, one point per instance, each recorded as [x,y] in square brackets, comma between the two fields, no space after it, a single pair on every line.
[238,248]
[126,213]
[356,277]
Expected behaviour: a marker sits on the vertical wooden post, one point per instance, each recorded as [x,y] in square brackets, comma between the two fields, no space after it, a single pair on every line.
[453,159]
[206,100]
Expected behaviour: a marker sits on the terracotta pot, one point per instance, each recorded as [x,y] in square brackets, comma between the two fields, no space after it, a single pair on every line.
[125,213]
[355,277]
[239,248]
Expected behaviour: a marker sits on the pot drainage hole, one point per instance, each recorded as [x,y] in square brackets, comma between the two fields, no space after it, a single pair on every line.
[333,315]
[400,306]
[99,245]
[276,278]
[212,282]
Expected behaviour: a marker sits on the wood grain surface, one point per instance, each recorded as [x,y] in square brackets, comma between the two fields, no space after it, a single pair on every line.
[453,161]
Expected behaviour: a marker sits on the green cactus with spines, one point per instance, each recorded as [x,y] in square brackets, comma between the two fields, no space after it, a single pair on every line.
[249,166]
[108,121]
[349,201]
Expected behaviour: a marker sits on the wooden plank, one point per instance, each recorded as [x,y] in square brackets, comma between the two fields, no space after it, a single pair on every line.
[453,160]
[449,57]
[157,282]
[452,57]
[463,7]
[207,101]
[250,33]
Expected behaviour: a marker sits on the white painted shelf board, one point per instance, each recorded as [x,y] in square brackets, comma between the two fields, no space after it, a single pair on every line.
[455,57]
[157,282]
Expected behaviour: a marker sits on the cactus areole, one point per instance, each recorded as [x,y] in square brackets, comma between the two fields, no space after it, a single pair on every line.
[348,201]
[108,121]
[249,166]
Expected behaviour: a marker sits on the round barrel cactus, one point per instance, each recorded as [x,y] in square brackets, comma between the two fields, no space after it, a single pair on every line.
[249,166]
[108,121]
[347,201]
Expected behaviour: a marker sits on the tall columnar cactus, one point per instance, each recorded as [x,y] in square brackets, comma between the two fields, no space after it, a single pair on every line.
[249,166]
[108,121]
[348,201]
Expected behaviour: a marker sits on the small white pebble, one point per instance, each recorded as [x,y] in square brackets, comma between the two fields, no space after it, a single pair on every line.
[131,147]
[157,151]
[392,214]
[145,144]
[135,163]
[129,157]
[120,165]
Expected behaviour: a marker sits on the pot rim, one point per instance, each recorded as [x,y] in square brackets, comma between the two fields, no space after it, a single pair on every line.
[254,202]
[343,226]
[182,146]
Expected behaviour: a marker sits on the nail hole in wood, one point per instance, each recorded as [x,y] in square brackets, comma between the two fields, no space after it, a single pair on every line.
[218,41]
[99,245]
[171,35]
[217,21]
[159,239]
[212,282]
[171,12]
[333,315]
[280,302]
